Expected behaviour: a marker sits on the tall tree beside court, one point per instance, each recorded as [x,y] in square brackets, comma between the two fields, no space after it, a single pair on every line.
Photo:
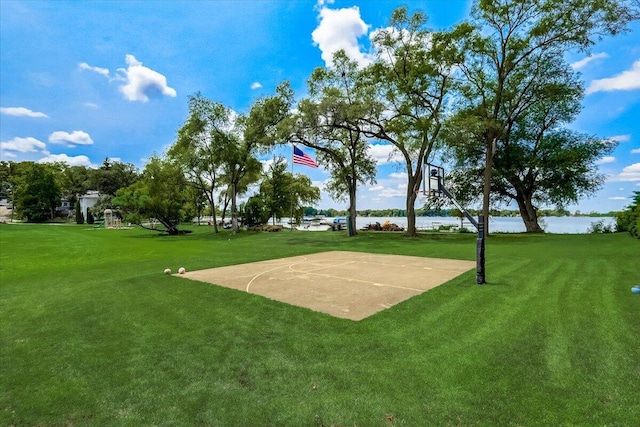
[328,120]
[540,161]
[507,50]
[412,77]
[200,146]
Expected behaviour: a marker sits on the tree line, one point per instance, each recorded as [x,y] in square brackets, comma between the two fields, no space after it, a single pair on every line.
[492,97]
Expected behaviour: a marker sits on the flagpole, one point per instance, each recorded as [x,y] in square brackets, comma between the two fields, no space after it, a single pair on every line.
[291,217]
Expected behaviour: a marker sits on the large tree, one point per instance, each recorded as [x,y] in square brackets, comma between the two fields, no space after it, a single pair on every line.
[200,145]
[539,161]
[158,195]
[507,50]
[113,175]
[37,193]
[412,77]
[329,121]
[283,193]
[257,133]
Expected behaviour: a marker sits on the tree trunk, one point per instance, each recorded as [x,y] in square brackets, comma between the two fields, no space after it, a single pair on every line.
[214,220]
[486,193]
[352,208]
[234,211]
[529,214]
[411,210]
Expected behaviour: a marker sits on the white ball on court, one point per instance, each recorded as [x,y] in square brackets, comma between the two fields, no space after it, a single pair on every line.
[181,270]
[167,271]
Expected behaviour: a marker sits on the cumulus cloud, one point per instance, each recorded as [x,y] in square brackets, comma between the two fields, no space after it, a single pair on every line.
[139,82]
[71,161]
[583,62]
[617,198]
[392,192]
[384,153]
[99,70]
[23,145]
[629,173]
[21,112]
[606,159]
[142,83]
[627,80]
[77,137]
[398,175]
[620,138]
[340,29]
[635,151]
[256,85]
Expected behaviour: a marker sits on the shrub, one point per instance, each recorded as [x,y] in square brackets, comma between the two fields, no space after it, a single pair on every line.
[599,227]
[79,216]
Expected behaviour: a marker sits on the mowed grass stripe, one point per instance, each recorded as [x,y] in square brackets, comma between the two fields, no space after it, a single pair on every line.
[110,340]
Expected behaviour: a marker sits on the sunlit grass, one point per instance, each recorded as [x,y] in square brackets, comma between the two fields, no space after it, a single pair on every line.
[92,333]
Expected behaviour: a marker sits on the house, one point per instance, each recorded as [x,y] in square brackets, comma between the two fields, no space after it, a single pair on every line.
[87,201]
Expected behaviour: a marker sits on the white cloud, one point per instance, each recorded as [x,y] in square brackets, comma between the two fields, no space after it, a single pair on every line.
[617,198]
[71,161]
[9,154]
[629,173]
[256,85]
[99,70]
[399,175]
[90,105]
[384,153]
[23,145]
[635,151]
[143,83]
[606,159]
[583,62]
[376,188]
[627,80]
[21,112]
[77,137]
[620,138]
[340,29]
[392,192]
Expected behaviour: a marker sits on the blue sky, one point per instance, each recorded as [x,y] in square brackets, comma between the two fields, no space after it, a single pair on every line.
[82,81]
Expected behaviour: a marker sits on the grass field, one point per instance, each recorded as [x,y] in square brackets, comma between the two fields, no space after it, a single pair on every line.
[93,334]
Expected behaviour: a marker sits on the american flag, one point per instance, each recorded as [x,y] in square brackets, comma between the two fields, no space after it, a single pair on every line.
[301,158]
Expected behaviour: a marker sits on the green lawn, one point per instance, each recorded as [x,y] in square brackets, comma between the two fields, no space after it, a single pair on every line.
[92,333]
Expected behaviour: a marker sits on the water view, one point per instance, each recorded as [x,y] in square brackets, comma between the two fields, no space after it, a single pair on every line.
[561,225]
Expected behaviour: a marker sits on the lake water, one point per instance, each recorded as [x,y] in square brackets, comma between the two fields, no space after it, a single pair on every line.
[561,225]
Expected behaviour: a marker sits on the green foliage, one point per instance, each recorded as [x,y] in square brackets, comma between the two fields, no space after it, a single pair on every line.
[79,215]
[629,219]
[330,121]
[413,85]
[159,194]
[282,194]
[113,175]
[516,69]
[599,227]
[90,218]
[37,194]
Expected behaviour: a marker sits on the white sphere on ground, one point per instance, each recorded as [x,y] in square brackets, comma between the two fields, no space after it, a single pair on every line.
[167,271]
[182,270]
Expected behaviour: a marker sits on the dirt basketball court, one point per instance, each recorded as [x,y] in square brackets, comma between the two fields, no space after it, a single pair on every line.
[350,285]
